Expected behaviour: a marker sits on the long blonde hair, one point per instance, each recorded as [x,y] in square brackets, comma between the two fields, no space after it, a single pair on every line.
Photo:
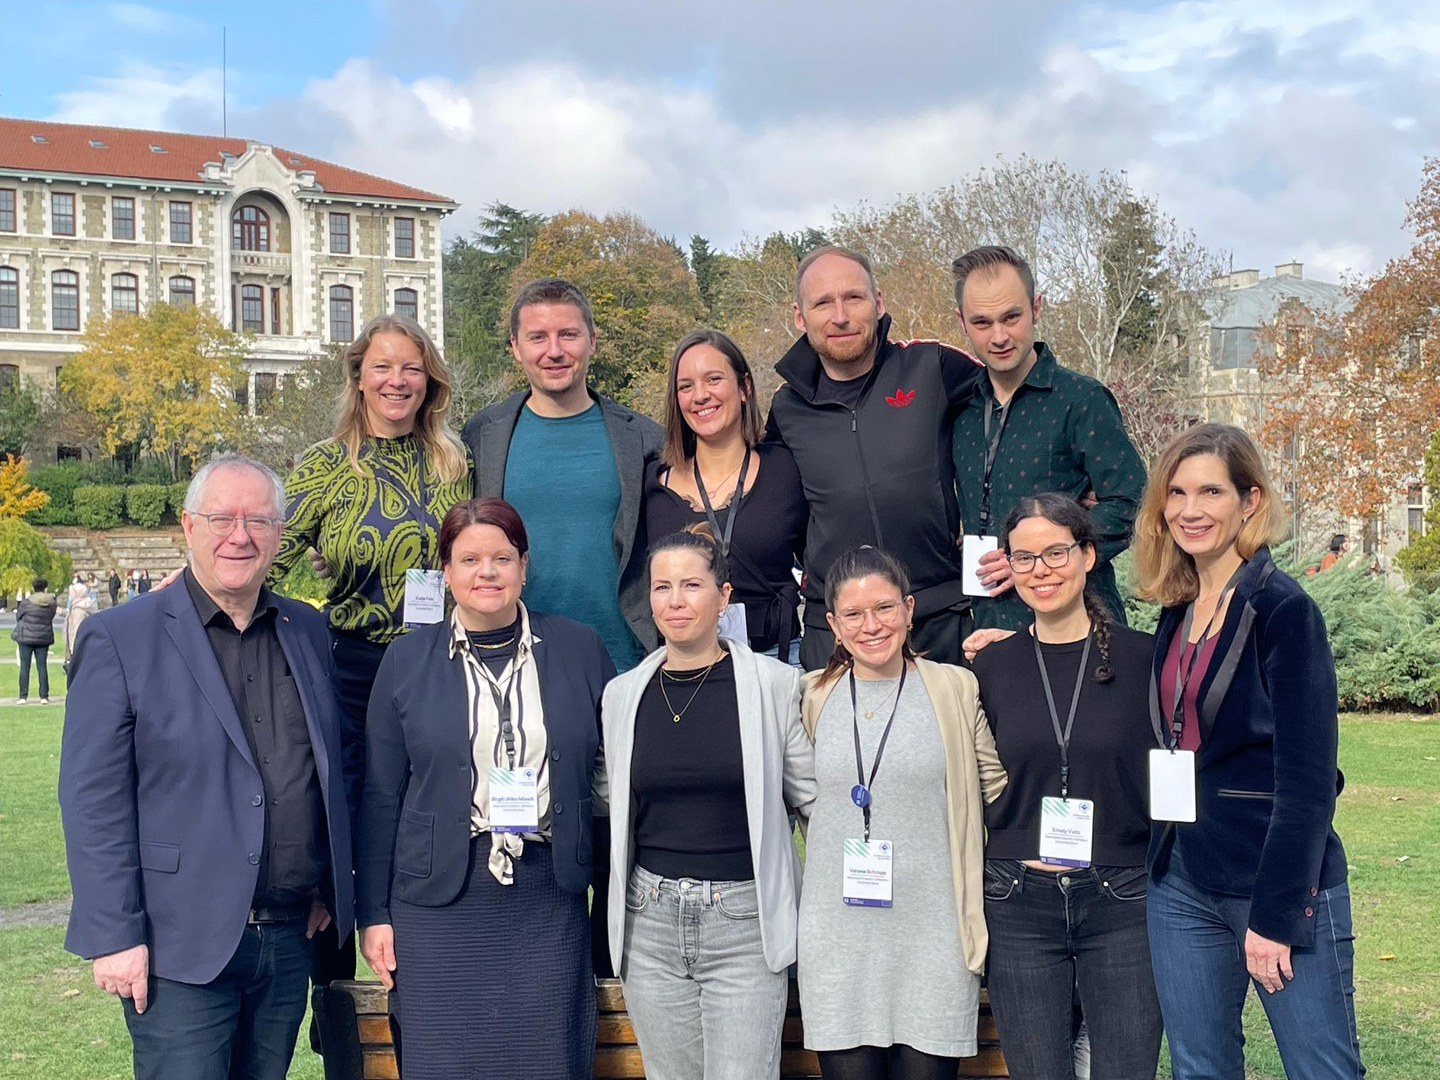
[441,446]
[1163,572]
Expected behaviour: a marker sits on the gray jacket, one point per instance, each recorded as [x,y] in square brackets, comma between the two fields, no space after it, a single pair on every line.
[779,764]
[636,440]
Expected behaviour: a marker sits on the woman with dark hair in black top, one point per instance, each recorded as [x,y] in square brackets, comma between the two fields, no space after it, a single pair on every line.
[1065,877]
[715,470]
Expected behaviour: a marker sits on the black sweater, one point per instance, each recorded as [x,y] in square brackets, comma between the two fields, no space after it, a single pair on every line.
[1108,743]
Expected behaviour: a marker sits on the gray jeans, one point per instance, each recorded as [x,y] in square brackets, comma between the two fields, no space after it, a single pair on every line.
[704,1004]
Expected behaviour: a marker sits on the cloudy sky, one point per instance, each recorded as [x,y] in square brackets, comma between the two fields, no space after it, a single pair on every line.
[1276,129]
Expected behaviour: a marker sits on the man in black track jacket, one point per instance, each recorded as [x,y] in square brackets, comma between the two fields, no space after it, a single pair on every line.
[868,421]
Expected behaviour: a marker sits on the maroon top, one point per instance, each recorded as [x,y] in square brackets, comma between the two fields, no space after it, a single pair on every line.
[1177,660]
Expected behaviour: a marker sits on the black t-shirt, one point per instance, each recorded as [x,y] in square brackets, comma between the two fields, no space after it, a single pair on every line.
[846,391]
[769,530]
[687,779]
[1108,743]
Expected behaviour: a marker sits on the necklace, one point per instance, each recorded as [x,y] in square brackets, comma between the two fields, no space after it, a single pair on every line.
[502,645]
[676,714]
[870,713]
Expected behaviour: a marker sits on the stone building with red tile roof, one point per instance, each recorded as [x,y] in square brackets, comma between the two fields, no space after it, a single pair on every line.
[298,251]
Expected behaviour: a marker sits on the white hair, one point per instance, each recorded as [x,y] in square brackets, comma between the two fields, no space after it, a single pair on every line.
[195,493]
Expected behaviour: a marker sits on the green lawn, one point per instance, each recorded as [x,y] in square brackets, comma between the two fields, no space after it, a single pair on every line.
[54,1023]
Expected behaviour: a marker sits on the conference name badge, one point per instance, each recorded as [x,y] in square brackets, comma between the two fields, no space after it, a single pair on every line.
[1067,831]
[1172,785]
[514,800]
[868,872]
[424,597]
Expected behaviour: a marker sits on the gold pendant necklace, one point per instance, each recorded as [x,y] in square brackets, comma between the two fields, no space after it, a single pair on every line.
[675,715]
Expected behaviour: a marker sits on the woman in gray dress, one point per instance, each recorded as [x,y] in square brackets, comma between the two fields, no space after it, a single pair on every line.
[892,925]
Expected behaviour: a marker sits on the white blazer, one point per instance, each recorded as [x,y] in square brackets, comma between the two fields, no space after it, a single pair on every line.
[779,765]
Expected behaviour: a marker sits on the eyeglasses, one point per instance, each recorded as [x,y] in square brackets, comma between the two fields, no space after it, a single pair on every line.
[886,611]
[224,524]
[1022,562]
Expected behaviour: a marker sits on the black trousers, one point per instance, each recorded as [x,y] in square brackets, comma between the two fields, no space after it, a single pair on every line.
[938,636]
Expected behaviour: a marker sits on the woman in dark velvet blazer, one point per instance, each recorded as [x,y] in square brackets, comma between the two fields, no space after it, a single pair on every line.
[1254,889]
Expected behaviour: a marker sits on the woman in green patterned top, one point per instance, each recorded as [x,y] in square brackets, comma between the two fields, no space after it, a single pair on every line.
[372,498]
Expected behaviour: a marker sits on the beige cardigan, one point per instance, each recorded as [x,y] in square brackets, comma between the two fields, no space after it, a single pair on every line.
[972,770]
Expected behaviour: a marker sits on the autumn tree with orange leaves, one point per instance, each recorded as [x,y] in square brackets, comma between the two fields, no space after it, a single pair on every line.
[1356,396]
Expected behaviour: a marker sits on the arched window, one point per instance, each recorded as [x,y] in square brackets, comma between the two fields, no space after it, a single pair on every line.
[407,303]
[182,291]
[252,308]
[9,298]
[125,294]
[65,300]
[250,229]
[342,313]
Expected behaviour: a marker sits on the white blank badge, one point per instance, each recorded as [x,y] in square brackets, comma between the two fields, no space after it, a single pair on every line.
[1172,785]
[970,551]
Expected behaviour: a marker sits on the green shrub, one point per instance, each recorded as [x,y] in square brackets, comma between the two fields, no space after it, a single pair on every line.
[176,497]
[59,482]
[145,504]
[302,583]
[150,471]
[24,546]
[104,471]
[100,506]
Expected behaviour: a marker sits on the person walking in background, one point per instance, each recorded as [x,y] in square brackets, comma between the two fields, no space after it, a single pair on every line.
[114,584]
[715,469]
[143,586]
[34,634]
[892,923]
[476,838]
[1248,878]
[1339,547]
[132,584]
[1065,877]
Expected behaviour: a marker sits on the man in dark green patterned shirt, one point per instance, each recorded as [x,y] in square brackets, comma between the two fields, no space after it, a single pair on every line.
[1033,426]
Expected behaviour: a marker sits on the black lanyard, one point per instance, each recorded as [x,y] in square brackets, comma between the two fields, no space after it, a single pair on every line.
[1182,678]
[723,538]
[1063,737]
[992,450]
[502,702]
[860,793]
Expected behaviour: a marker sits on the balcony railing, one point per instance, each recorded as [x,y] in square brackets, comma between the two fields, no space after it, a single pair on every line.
[265,262]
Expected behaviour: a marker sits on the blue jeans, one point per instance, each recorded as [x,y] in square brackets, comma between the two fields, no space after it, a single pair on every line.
[1198,941]
[239,1026]
[794,660]
[1053,935]
[703,1001]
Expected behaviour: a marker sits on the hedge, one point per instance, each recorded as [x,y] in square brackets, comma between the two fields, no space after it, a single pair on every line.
[100,506]
[177,497]
[145,504]
[59,482]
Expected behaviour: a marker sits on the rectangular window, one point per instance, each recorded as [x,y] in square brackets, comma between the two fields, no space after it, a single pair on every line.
[407,303]
[122,218]
[342,314]
[182,292]
[65,300]
[404,238]
[62,214]
[340,234]
[125,294]
[252,309]
[9,298]
[264,391]
[7,209]
[180,231]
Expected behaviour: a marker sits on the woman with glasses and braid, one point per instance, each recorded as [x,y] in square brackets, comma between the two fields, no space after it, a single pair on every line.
[892,929]
[1065,880]
[705,759]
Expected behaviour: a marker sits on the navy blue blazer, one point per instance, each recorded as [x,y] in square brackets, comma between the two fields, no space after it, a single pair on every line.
[414,840]
[160,797]
[1266,769]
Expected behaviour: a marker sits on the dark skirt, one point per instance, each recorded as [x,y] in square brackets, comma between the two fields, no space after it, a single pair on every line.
[497,984]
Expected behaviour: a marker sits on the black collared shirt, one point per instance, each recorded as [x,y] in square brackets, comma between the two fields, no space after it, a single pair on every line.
[293,859]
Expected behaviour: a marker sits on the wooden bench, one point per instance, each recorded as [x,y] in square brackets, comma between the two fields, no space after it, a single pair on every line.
[354,1023]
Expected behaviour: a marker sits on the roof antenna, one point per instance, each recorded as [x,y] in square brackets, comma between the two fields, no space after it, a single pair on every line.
[224,111]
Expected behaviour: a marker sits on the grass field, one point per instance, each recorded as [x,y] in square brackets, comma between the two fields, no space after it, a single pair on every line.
[55,1024]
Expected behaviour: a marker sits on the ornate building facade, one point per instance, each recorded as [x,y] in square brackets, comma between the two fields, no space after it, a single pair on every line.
[296,251]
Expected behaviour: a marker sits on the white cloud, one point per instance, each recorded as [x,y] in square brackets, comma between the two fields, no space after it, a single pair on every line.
[140,97]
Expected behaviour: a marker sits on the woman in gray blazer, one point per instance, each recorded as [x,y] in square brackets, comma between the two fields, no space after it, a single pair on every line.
[705,757]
